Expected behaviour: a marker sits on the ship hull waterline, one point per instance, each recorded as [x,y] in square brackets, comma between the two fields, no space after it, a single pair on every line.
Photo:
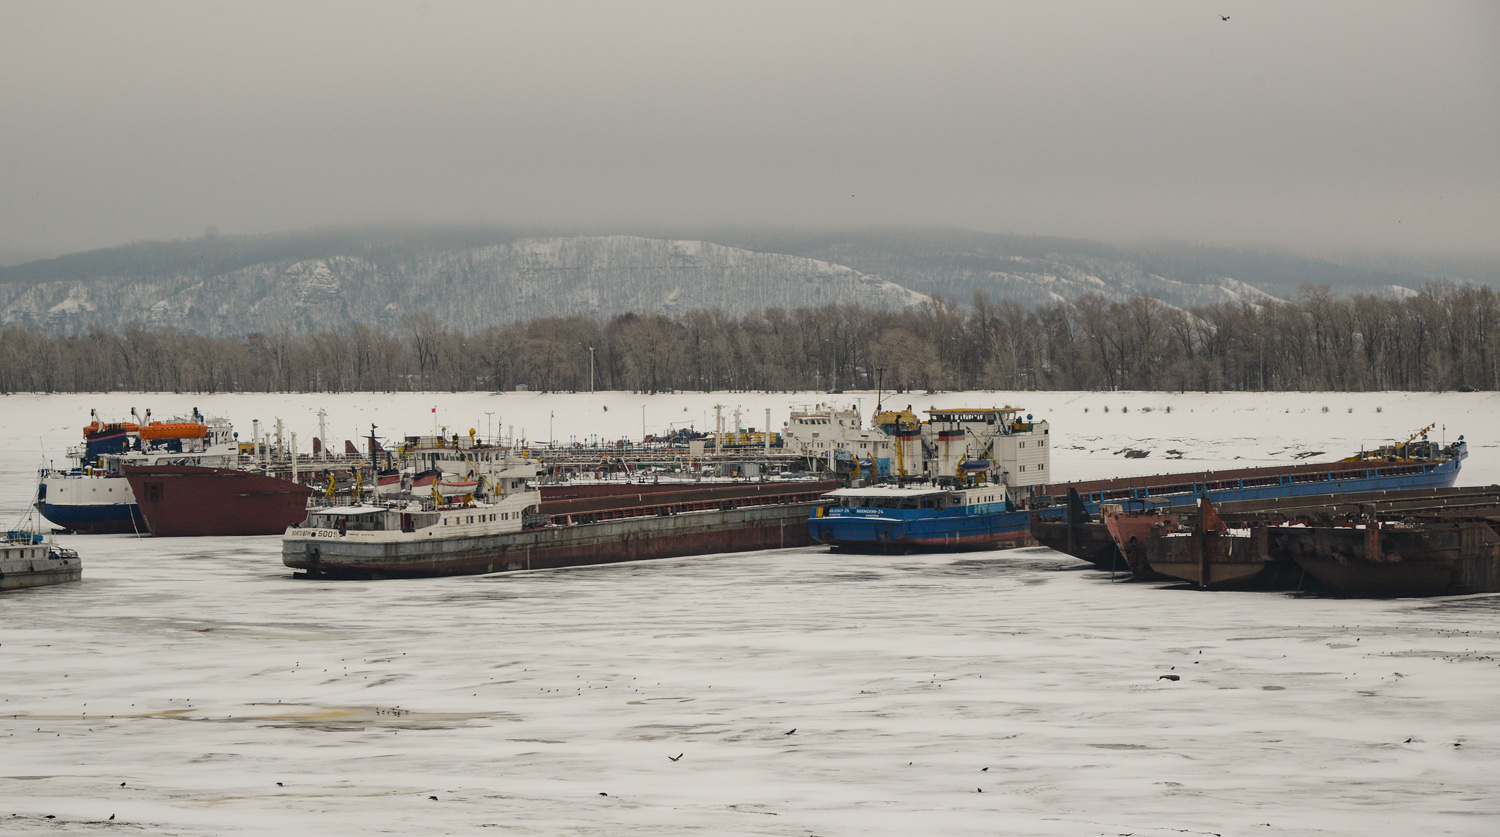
[895,535]
[40,571]
[102,519]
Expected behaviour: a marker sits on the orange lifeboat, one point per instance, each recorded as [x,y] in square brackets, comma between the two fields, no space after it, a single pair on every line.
[97,427]
[158,431]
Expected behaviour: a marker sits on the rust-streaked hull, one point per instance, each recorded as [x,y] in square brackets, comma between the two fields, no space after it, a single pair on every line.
[1436,555]
[1197,548]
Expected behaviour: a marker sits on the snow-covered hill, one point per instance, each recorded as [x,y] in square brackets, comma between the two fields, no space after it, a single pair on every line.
[471,278]
[466,288]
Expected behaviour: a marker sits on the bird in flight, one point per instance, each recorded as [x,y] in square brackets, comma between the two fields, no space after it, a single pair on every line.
[674,758]
[790,731]
[1223,17]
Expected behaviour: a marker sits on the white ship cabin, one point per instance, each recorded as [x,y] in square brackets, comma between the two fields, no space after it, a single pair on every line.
[1008,446]
[874,499]
[463,457]
[220,435]
[817,431]
[813,431]
[402,522]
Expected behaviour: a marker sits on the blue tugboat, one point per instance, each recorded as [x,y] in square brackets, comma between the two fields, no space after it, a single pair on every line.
[889,518]
[965,479]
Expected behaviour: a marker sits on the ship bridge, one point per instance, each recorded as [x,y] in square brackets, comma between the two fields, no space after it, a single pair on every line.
[997,440]
[1003,419]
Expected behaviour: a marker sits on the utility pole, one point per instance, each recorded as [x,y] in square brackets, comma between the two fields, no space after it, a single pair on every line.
[591,368]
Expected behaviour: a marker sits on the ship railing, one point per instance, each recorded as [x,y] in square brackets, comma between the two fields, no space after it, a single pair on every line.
[75,472]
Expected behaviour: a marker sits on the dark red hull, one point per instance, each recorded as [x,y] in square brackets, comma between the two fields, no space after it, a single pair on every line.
[188,501]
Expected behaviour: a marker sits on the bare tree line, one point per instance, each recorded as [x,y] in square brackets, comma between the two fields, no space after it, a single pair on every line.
[1445,337]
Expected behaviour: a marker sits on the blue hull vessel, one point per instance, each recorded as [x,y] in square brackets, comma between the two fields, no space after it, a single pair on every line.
[95,520]
[922,520]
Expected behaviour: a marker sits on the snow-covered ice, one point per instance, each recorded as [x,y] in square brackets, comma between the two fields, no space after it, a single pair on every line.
[1014,692]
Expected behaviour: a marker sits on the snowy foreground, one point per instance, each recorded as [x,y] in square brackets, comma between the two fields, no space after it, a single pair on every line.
[986,693]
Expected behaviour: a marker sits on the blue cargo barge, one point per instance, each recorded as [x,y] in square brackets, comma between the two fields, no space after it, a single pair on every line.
[928,518]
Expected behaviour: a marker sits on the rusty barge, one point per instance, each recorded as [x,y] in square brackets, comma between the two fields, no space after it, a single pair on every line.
[1397,544]
[372,542]
[1415,465]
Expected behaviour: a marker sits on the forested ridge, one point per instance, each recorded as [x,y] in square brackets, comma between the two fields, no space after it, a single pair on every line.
[1445,337]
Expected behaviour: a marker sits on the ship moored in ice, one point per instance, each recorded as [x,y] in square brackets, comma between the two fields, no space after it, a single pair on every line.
[505,524]
[30,559]
[270,486]
[33,560]
[963,479]
[1080,531]
[1414,542]
[94,496]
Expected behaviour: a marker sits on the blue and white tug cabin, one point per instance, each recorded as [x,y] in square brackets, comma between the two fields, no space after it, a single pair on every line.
[988,444]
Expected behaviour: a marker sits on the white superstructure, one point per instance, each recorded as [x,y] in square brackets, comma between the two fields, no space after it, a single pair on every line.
[995,445]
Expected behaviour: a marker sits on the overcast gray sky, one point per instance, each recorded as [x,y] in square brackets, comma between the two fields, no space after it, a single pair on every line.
[1316,126]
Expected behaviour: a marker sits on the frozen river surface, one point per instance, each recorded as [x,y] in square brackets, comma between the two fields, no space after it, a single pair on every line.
[193,687]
